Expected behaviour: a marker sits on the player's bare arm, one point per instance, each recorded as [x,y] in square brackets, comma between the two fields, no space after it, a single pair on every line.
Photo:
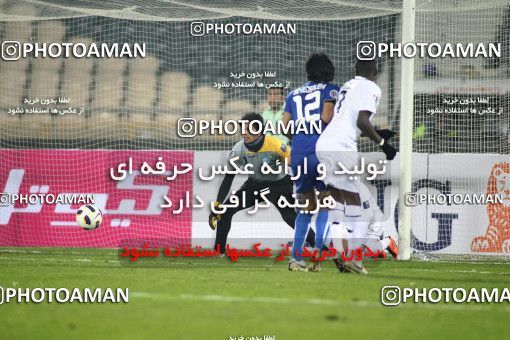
[327,111]
[367,128]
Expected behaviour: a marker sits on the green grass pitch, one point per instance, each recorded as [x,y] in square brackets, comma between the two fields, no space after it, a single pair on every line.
[218,299]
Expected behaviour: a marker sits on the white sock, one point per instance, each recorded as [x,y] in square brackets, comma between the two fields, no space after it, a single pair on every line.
[385,242]
[356,226]
[374,244]
[336,227]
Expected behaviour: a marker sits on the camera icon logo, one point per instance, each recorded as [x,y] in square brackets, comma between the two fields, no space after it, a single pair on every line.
[5,199]
[366,50]
[187,127]
[197,28]
[390,295]
[11,50]
[411,199]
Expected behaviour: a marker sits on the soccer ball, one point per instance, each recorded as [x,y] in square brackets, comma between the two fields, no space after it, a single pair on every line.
[89,217]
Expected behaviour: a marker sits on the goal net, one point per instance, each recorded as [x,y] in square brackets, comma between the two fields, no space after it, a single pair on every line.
[67,122]
[461,131]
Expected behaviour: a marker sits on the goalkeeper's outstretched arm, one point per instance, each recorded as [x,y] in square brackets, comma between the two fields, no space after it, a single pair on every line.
[367,128]
[225,186]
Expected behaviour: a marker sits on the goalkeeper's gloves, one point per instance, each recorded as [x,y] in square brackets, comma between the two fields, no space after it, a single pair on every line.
[386,134]
[214,218]
[388,150]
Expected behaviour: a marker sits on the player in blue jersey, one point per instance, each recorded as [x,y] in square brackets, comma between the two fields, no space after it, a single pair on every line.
[305,105]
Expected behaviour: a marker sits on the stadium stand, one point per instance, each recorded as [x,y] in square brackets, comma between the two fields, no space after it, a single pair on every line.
[144,98]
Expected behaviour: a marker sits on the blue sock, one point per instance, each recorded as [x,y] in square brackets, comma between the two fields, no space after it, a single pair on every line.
[301,229]
[320,227]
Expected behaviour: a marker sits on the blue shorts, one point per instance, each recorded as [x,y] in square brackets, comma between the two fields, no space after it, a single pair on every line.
[308,182]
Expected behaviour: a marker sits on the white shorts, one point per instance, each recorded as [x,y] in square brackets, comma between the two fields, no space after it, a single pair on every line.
[350,160]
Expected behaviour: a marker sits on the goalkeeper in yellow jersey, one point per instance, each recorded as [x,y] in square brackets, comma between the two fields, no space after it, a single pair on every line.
[255,150]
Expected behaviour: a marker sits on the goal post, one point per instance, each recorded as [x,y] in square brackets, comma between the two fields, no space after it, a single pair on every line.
[406,132]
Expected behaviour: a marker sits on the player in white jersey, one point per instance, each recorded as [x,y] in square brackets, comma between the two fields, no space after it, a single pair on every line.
[356,105]
[380,234]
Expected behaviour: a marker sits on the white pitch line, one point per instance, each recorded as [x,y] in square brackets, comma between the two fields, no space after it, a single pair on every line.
[259,299]
[63,260]
[48,259]
[21,251]
[472,271]
[468,262]
[27,251]
[322,302]
[44,253]
[240,268]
